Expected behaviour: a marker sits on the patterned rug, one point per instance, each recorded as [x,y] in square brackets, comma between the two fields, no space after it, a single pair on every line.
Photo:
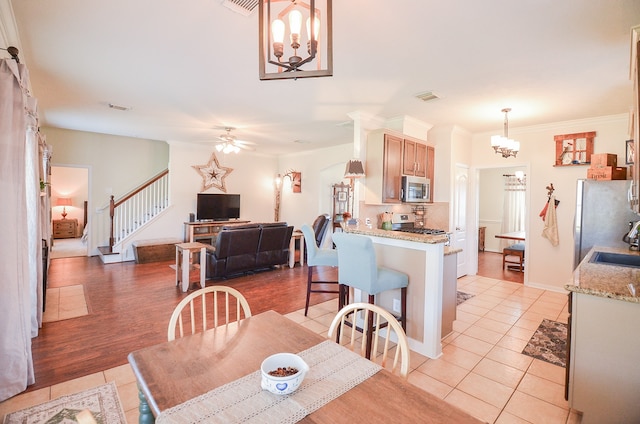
[461,297]
[101,401]
[549,343]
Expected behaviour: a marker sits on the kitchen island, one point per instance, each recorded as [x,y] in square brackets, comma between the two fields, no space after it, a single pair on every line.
[420,256]
[603,375]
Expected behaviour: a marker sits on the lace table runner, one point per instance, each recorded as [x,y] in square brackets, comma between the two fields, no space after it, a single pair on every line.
[333,371]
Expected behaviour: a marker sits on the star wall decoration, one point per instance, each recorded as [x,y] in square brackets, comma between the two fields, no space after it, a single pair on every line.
[213,174]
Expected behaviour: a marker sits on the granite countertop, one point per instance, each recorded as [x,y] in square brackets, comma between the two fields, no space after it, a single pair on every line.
[603,280]
[399,235]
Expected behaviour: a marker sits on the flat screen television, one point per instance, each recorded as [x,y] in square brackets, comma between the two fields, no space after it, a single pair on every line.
[218,207]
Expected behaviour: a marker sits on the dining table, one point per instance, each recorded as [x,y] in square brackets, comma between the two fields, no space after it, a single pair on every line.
[513,235]
[202,377]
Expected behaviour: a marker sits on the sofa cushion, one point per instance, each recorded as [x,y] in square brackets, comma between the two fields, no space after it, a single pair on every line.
[273,247]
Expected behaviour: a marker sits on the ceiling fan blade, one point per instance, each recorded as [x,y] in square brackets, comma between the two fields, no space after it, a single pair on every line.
[244,142]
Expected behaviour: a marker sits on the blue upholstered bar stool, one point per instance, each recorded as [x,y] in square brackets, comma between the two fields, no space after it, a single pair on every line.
[358,268]
[317,257]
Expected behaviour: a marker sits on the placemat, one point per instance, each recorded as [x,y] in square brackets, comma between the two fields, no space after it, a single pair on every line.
[333,371]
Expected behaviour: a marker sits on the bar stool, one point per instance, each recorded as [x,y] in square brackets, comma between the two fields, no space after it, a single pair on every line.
[357,268]
[317,257]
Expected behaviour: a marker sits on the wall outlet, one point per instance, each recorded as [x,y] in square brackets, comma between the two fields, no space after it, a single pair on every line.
[396,305]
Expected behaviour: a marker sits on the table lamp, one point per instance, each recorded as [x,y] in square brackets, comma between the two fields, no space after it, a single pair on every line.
[64,202]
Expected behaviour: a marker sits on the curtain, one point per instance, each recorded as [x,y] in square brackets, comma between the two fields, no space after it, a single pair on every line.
[514,211]
[20,249]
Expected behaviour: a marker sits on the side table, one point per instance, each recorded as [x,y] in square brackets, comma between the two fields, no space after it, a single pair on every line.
[184,253]
[296,235]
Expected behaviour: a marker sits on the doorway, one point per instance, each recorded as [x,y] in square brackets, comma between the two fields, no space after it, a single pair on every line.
[69,211]
[492,196]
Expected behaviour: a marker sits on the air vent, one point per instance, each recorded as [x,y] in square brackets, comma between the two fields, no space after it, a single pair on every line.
[427,95]
[244,7]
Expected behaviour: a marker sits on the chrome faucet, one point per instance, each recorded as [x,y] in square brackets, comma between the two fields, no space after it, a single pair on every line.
[632,236]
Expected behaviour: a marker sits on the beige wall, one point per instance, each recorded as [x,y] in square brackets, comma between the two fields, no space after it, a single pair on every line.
[548,266]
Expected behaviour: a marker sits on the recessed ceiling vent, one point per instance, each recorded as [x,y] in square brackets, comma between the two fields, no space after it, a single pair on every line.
[427,95]
[244,7]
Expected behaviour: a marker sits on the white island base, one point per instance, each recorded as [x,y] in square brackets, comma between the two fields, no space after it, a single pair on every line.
[423,262]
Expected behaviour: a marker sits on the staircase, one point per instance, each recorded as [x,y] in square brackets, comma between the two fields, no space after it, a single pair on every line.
[132,212]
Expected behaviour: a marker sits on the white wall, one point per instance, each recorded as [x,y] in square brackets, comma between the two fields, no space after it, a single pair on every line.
[116,165]
[320,169]
[251,177]
[548,266]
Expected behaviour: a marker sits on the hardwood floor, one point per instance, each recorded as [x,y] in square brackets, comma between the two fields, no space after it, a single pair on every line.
[129,308]
[490,265]
[130,304]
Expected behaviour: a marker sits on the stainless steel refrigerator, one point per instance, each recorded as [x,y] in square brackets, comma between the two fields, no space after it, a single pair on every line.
[602,216]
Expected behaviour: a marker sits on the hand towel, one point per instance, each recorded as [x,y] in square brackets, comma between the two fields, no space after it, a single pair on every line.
[550,230]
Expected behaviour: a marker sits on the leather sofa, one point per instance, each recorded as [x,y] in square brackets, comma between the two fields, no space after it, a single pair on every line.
[246,248]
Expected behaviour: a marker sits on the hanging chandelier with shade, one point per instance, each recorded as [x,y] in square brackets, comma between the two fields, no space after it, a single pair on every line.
[502,144]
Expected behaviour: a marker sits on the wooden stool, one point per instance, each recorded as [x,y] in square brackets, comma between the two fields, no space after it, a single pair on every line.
[297,235]
[516,250]
[184,253]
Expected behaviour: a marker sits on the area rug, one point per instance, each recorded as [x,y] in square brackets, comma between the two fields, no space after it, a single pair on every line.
[68,248]
[102,401]
[549,343]
[461,297]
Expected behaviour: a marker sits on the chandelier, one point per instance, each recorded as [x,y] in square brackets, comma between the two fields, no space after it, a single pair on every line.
[280,59]
[502,143]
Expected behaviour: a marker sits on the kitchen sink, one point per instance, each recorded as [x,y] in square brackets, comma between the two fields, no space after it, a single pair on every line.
[618,259]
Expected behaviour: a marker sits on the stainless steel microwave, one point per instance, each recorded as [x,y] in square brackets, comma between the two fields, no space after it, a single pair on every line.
[415,189]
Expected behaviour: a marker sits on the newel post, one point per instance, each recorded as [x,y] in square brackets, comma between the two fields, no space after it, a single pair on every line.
[112,209]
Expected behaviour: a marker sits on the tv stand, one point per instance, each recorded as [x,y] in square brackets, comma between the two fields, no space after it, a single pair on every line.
[205,231]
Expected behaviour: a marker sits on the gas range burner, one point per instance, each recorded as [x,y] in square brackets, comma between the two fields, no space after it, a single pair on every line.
[414,230]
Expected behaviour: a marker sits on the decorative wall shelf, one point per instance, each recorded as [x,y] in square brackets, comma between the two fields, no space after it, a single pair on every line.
[574,149]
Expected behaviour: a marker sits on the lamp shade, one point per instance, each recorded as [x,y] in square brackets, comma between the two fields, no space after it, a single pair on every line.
[63,201]
[354,169]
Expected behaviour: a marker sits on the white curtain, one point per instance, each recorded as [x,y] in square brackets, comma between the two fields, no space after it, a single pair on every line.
[514,211]
[20,226]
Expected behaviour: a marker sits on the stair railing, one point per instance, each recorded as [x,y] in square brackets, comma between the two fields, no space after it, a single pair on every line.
[137,207]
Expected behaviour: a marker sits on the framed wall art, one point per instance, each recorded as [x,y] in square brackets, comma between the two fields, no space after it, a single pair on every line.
[630,152]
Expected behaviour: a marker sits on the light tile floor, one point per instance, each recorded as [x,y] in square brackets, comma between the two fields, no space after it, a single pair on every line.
[481,370]
[64,303]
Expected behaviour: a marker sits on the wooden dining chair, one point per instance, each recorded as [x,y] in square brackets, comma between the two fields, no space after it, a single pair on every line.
[387,335]
[216,305]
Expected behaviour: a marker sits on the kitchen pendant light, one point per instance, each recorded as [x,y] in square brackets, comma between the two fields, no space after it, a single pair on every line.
[502,144]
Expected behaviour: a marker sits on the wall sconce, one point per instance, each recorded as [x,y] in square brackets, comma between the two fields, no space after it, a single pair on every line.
[64,202]
[295,179]
[319,47]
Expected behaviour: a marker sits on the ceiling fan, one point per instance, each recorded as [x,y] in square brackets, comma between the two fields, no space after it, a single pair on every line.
[228,143]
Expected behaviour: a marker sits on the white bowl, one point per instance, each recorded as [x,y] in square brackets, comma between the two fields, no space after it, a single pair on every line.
[283,385]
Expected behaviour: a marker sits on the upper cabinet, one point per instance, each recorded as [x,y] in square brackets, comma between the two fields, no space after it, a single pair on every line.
[635,119]
[389,157]
[414,158]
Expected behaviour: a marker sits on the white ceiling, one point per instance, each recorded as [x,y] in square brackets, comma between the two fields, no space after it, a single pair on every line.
[185,67]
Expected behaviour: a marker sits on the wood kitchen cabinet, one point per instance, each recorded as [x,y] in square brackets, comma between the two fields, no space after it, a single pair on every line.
[384,168]
[414,158]
[389,157]
[635,76]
